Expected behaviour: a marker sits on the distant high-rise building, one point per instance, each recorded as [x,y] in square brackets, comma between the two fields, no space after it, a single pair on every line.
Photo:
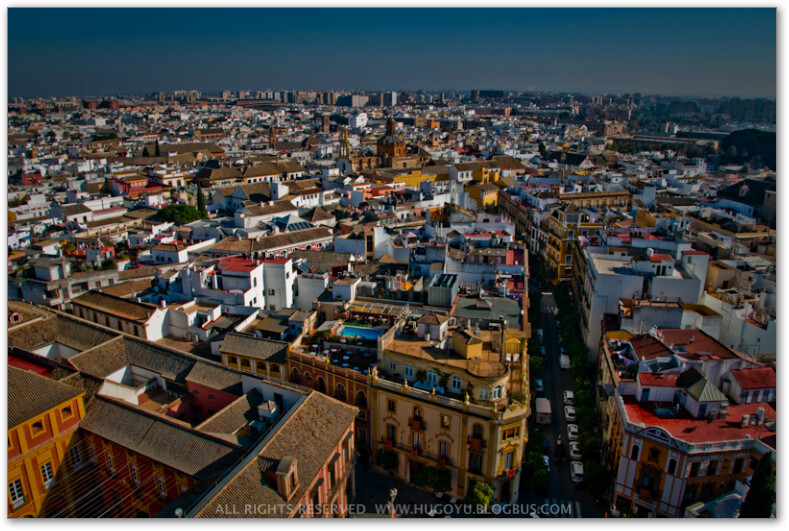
[390,99]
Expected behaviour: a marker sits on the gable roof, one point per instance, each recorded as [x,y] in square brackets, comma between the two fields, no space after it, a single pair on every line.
[309,436]
[116,306]
[30,394]
[159,439]
[215,377]
[757,378]
[257,348]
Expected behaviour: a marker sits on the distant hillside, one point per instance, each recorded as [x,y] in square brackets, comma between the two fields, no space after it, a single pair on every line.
[749,146]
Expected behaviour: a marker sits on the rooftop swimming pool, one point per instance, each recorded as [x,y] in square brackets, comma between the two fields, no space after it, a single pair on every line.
[357,331]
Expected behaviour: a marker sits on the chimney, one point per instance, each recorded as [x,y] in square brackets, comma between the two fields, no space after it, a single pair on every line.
[287,477]
[692,338]
[162,304]
[760,416]
[744,421]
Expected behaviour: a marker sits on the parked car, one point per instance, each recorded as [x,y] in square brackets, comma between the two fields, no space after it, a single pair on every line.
[564,361]
[577,472]
[568,397]
[539,387]
[539,334]
[572,432]
[542,352]
[547,461]
[569,413]
[575,450]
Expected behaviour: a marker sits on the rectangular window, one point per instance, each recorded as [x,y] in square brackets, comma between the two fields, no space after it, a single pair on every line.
[712,467]
[76,457]
[17,495]
[443,449]
[391,406]
[390,432]
[110,463]
[161,488]
[47,475]
[694,470]
[738,465]
[417,441]
[445,421]
[135,478]
[475,463]
[510,433]
[654,454]
[509,458]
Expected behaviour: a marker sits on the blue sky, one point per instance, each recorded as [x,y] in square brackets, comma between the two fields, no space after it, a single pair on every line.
[705,52]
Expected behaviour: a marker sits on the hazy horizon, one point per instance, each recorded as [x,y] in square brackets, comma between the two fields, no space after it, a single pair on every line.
[699,53]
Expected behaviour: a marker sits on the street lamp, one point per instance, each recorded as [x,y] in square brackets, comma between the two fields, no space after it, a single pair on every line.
[392,496]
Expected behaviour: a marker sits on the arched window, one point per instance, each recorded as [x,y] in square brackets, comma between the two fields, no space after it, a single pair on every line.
[339,392]
[308,376]
[456,384]
[321,385]
[361,400]
[417,413]
[294,376]
[432,377]
[484,393]
[497,392]
[409,372]
[634,453]
[672,466]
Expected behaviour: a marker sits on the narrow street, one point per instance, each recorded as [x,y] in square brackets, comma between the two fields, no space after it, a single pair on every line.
[561,489]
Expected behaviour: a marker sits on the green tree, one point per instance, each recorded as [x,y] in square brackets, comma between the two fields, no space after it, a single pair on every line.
[179,213]
[540,480]
[157,152]
[543,151]
[200,200]
[386,459]
[760,499]
[480,494]
[596,477]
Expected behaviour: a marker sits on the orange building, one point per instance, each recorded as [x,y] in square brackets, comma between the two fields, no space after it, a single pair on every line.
[391,143]
[44,454]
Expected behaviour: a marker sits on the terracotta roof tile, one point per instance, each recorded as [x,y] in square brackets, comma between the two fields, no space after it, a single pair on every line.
[30,394]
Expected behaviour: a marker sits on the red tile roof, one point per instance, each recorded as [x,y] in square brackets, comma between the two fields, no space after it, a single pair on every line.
[655,379]
[686,428]
[694,252]
[237,263]
[760,378]
[660,258]
[696,343]
[647,347]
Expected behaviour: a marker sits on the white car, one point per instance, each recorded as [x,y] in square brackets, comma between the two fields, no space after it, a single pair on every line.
[572,432]
[569,413]
[577,472]
[564,361]
[547,461]
[575,450]
[568,398]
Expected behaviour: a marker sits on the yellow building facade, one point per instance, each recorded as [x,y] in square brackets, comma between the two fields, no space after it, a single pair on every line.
[44,452]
